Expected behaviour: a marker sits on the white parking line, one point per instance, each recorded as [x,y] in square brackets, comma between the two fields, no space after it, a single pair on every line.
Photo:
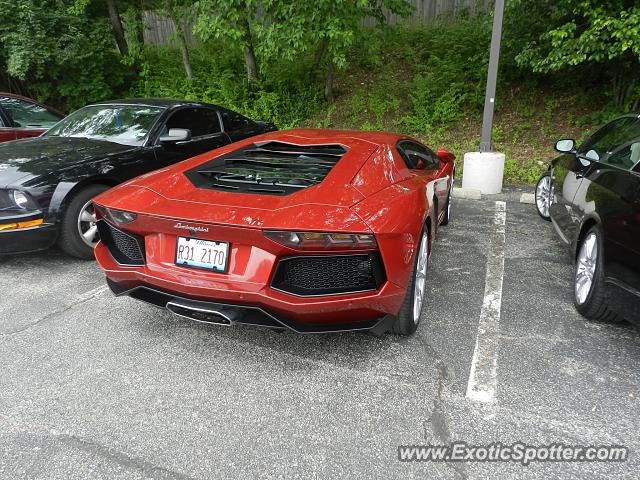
[484,365]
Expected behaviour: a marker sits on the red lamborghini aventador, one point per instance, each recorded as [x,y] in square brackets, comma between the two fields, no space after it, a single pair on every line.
[311,230]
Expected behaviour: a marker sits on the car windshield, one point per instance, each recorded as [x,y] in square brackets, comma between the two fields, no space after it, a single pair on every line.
[125,124]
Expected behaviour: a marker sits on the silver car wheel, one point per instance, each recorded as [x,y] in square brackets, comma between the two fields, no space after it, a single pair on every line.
[420,281]
[543,196]
[586,268]
[87,227]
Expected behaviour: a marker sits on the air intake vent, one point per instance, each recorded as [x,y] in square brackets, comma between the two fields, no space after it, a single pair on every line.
[329,274]
[271,168]
[125,248]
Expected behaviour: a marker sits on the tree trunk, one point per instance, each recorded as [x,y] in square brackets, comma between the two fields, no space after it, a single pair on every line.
[140,26]
[623,87]
[249,54]
[322,47]
[328,85]
[185,57]
[252,68]
[182,42]
[118,30]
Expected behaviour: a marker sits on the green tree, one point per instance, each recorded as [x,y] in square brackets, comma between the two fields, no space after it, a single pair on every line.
[59,56]
[181,12]
[604,35]
[231,20]
[328,26]
[113,12]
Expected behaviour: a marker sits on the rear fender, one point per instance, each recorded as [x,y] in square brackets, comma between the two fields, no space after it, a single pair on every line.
[397,216]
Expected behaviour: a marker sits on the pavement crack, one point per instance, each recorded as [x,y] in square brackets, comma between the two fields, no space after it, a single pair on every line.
[84,298]
[438,422]
[147,468]
[128,461]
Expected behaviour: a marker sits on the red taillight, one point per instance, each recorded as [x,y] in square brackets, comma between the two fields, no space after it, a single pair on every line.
[324,241]
[117,217]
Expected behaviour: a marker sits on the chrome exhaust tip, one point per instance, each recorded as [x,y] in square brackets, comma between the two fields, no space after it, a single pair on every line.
[224,317]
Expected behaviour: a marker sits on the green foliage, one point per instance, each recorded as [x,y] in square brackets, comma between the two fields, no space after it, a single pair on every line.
[217,80]
[64,58]
[522,172]
[226,20]
[589,33]
[371,108]
[450,76]
[599,116]
[586,31]
[426,81]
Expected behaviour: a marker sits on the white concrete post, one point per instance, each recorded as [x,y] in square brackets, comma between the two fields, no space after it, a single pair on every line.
[484,170]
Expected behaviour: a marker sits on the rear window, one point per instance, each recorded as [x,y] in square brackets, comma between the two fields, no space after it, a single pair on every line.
[273,168]
[234,121]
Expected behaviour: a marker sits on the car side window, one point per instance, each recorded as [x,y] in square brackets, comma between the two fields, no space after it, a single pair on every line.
[417,157]
[234,121]
[601,144]
[27,114]
[626,157]
[200,121]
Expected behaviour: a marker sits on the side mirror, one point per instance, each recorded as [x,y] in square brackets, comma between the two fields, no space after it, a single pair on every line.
[176,135]
[445,155]
[566,145]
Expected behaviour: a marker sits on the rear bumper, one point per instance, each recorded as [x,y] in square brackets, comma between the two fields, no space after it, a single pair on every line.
[159,286]
[27,239]
[230,314]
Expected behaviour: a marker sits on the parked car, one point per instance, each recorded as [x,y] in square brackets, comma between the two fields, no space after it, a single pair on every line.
[47,183]
[21,117]
[592,195]
[311,230]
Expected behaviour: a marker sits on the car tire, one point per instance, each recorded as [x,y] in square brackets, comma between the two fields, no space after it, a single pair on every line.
[70,240]
[543,196]
[408,318]
[588,284]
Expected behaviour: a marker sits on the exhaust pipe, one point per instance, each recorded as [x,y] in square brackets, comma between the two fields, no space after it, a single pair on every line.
[220,316]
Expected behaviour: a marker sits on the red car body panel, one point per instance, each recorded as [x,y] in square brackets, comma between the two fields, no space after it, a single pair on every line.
[369,191]
[9,132]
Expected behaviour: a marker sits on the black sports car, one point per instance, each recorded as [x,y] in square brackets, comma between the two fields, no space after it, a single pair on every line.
[47,183]
[592,195]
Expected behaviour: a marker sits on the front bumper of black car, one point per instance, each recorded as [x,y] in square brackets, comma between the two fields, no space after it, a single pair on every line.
[26,233]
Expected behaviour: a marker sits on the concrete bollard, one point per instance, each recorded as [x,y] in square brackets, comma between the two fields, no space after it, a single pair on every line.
[483,171]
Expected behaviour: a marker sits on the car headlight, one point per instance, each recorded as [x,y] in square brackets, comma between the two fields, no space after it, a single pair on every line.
[20,199]
[16,200]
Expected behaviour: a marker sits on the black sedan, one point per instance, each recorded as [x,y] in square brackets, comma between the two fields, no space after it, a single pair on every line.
[47,183]
[592,196]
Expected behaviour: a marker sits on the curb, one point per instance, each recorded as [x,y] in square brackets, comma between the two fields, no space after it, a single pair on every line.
[459,192]
[529,198]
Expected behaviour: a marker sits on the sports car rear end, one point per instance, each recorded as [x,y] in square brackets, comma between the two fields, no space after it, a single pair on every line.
[210,242]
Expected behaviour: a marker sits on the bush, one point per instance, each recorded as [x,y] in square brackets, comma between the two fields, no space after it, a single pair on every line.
[221,81]
[451,77]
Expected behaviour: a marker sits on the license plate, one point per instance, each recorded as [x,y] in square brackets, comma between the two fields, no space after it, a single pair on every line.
[197,253]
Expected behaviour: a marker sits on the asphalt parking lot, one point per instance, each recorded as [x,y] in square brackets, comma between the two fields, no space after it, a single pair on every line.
[98,387]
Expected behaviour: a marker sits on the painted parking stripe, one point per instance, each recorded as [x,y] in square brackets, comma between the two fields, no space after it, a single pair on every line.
[484,365]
